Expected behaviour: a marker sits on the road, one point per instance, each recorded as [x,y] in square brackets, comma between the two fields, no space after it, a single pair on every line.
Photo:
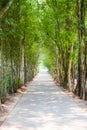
[45,107]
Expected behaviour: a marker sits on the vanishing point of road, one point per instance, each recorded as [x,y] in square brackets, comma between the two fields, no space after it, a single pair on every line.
[45,107]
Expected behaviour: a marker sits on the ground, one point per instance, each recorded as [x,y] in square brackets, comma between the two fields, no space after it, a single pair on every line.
[45,106]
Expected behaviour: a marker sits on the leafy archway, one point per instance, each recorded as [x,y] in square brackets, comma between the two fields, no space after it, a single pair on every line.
[54,28]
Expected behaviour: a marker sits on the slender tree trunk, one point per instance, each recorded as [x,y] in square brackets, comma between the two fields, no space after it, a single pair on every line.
[69,76]
[69,85]
[85,50]
[57,64]
[5,9]
[80,16]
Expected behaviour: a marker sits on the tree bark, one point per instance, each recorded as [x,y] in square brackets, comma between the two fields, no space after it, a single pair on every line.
[80,16]
[5,9]
[69,85]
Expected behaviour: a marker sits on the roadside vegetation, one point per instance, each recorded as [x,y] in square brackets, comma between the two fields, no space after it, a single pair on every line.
[55,29]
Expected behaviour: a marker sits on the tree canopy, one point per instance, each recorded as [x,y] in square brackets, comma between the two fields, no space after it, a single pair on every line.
[55,30]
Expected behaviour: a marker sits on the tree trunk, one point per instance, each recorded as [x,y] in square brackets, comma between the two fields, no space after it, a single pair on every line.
[80,16]
[69,76]
[5,9]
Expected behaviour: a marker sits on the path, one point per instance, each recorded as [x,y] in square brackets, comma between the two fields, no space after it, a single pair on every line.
[46,107]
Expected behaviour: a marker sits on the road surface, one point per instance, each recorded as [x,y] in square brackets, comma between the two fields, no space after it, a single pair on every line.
[45,107]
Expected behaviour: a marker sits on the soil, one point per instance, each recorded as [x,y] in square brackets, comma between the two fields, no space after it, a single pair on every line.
[80,102]
[10,103]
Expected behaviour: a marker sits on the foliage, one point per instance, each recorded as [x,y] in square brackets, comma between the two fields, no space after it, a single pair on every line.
[55,29]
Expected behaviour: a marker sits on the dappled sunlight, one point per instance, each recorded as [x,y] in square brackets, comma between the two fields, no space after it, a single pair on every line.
[46,107]
[45,39]
[37,36]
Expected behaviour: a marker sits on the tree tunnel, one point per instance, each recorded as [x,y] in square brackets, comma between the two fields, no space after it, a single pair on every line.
[47,32]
